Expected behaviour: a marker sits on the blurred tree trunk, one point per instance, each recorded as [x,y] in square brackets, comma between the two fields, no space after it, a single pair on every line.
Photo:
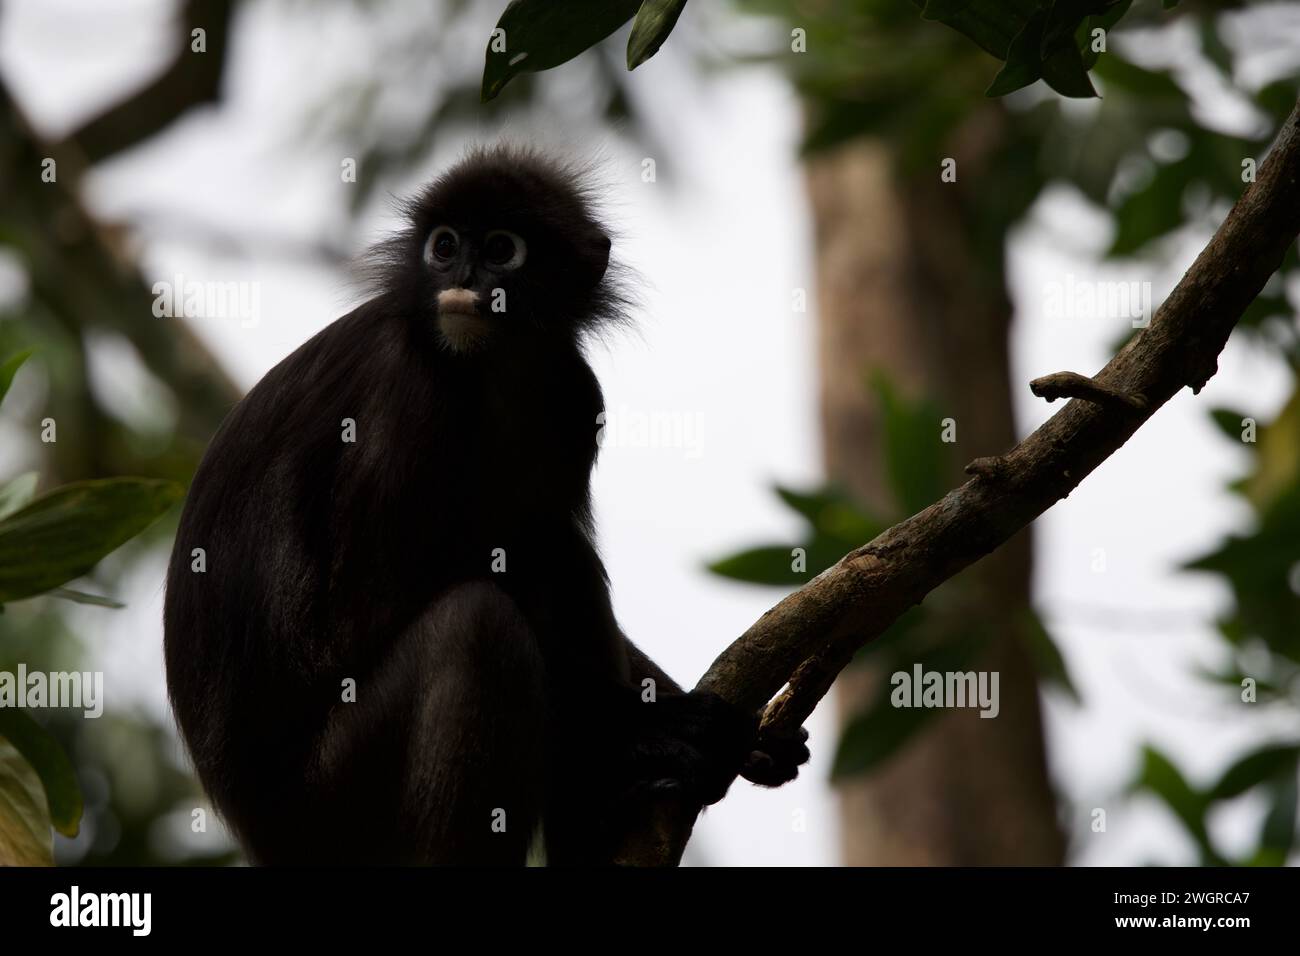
[902,287]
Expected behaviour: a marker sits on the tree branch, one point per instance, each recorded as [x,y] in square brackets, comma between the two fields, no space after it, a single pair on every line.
[1073,385]
[803,642]
[82,281]
[189,79]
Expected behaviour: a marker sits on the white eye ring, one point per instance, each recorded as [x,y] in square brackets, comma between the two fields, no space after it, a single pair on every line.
[431,257]
[521,249]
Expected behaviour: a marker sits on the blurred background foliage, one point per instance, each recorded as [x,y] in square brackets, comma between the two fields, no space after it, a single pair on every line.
[1143,152]
[45,542]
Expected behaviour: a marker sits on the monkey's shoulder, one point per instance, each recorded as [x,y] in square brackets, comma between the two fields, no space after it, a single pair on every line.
[357,362]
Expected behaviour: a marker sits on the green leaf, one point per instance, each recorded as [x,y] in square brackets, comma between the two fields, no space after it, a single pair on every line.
[25,837]
[769,564]
[1153,211]
[1104,21]
[1154,87]
[1045,48]
[1277,834]
[1274,488]
[45,755]
[834,119]
[1231,680]
[1064,71]
[1261,766]
[63,534]
[81,597]
[1023,65]
[1212,45]
[832,513]
[916,460]
[654,21]
[541,34]
[992,24]
[1276,99]
[906,627]
[1162,778]
[9,368]
[876,734]
[772,564]
[1268,304]
[1258,568]
[1062,50]
[809,504]
[1229,422]
[1065,17]
[873,737]
[17,492]
[1113,13]
[1047,657]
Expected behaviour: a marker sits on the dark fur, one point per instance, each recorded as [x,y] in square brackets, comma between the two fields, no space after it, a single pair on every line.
[371,560]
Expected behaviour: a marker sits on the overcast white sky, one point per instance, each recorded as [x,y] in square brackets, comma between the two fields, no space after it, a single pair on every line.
[720,250]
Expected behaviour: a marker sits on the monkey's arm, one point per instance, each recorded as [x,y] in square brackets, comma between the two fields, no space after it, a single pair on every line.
[594,611]
[642,667]
[767,759]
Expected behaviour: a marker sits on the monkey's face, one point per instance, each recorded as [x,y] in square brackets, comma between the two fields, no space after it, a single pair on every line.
[471,275]
[507,251]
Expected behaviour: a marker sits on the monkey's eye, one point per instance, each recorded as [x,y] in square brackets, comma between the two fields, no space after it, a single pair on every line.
[504,249]
[443,245]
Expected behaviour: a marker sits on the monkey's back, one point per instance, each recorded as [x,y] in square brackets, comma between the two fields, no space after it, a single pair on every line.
[319,550]
[250,638]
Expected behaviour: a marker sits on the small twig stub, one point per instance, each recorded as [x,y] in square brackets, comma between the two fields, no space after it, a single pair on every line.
[1073,385]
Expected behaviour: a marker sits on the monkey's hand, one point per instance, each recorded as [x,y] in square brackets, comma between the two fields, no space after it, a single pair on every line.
[697,744]
[776,757]
[693,744]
